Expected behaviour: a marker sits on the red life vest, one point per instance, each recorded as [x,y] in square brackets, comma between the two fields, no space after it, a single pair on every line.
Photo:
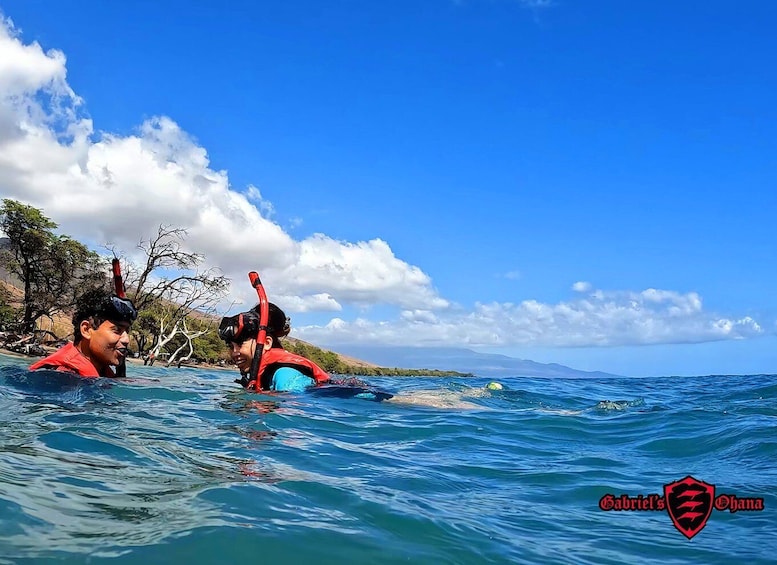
[275,358]
[70,359]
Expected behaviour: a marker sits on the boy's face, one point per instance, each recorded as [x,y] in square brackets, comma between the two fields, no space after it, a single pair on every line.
[107,343]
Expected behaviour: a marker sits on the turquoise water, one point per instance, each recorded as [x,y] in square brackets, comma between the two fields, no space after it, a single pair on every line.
[182,466]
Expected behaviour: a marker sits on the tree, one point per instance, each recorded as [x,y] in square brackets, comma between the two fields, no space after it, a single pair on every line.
[189,336]
[52,268]
[145,330]
[169,288]
[210,348]
[7,312]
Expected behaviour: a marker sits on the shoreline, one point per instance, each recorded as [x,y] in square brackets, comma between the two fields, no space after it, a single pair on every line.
[163,364]
[16,354]
[131,360]
[394,372]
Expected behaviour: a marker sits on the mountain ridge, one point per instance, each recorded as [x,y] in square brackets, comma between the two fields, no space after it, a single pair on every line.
[466,360]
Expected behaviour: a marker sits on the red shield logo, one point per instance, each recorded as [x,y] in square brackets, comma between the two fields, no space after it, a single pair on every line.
[689,504]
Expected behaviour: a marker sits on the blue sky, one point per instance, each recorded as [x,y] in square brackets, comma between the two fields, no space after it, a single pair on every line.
[583,183]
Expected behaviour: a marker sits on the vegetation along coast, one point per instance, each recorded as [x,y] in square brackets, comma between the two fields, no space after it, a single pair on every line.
[42,274]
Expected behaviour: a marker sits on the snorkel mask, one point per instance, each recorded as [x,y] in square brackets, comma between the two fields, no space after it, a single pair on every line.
[243,326]
[238,328]
[120,310]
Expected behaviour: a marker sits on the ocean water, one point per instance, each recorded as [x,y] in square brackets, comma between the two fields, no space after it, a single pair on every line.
[182,466]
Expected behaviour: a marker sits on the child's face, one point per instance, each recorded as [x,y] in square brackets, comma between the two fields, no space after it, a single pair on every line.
[243,354]
[107,343]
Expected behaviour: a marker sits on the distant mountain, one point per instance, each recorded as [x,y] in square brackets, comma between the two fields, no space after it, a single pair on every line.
[464,360]
[441,358]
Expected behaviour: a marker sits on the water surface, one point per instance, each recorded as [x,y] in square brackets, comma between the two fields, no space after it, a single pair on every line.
[180,465]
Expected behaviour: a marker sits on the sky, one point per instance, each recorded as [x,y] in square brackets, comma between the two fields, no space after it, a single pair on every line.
[587,183]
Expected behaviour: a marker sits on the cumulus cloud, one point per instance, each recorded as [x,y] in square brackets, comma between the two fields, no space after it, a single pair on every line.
[106,188]
[255,197]
[321,302]
[423,316]
[602,318]
[359,273]
[25,68]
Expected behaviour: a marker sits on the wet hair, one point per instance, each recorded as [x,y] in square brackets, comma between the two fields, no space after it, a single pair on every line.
[278,324]
[97,306]
[243,326]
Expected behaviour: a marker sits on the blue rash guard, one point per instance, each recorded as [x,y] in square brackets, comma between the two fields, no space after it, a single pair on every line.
[287,379]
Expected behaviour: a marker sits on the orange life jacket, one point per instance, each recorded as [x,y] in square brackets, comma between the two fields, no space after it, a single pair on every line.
[70,359]
[275,358]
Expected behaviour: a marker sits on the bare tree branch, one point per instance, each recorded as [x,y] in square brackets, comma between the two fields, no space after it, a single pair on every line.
[171,285]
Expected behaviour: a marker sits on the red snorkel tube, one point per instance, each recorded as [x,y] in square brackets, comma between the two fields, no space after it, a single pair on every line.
[118,286]
[261,336]
[118,283]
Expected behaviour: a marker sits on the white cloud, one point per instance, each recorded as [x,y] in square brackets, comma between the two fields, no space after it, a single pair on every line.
[603,318]
[359,273]
[255,197]
[581,286]
[423,316]
[26,68]
[105,188]
[321,302]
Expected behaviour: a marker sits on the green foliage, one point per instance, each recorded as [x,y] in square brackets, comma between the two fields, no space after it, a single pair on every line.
[7,312]
[209,348]
[206,347]
[143,330]
[55,268]
[52,268]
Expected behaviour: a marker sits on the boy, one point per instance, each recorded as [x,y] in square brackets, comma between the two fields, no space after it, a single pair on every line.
[101,326]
